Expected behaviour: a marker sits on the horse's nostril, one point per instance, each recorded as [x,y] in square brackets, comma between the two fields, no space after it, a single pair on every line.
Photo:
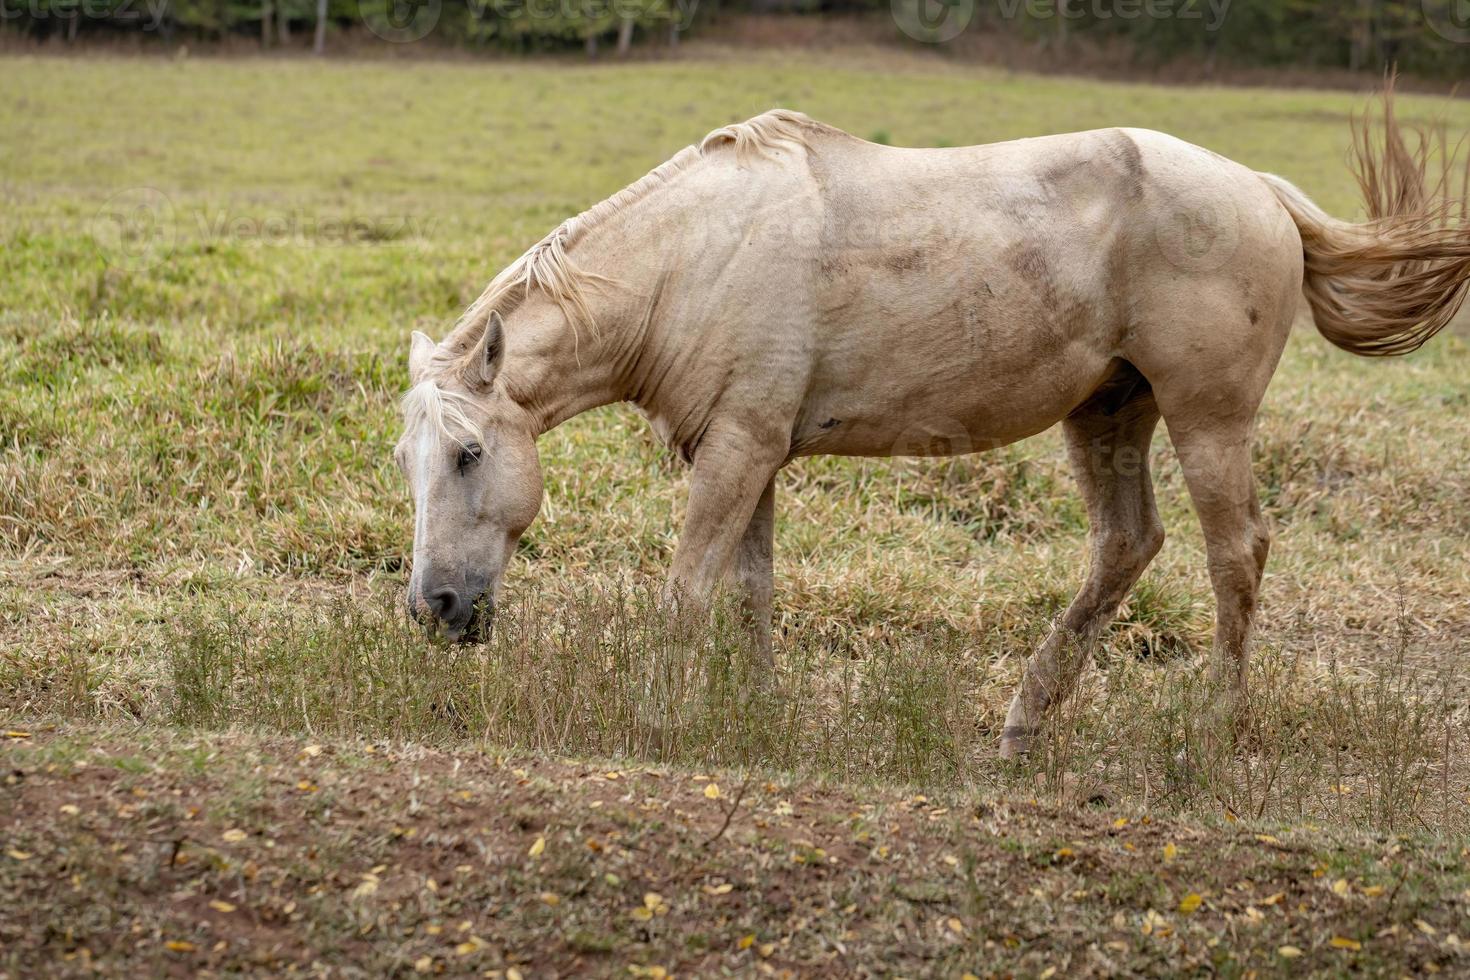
[444,603]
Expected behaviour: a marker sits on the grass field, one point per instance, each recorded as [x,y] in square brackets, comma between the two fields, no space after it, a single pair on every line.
[203,538]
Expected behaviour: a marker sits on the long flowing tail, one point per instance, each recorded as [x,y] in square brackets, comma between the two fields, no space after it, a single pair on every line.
[1386,286]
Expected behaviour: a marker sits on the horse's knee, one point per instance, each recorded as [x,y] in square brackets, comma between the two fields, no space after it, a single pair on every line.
[1260,543]
[1128,552]
[1151,542]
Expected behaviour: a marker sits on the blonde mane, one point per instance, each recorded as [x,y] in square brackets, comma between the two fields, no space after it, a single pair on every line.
[546,265]
[443,412]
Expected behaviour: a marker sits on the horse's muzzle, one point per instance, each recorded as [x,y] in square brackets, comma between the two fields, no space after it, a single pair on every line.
[460,618]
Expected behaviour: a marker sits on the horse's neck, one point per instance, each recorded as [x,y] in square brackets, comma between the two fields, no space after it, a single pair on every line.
[561,371]
[556,370]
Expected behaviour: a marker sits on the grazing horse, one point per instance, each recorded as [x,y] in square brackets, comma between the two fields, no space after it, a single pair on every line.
[785,289]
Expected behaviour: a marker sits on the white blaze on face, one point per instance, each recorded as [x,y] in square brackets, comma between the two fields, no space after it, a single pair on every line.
[425,446]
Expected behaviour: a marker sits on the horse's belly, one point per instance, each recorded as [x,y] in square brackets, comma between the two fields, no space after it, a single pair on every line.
[927,406]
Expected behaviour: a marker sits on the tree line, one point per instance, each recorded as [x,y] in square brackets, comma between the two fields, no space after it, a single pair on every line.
[1428,37]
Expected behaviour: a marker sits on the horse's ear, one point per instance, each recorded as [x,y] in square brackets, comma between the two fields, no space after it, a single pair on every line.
[421,349]
[484,360]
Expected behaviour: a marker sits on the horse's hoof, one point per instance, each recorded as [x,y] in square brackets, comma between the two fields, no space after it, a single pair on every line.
[1015,742]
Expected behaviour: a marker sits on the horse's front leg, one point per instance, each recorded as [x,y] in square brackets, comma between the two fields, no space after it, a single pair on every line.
[754,573]
[728,529]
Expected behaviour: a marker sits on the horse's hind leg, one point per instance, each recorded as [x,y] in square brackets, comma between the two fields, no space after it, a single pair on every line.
[1107,446]
[1209,372]
[1215,457]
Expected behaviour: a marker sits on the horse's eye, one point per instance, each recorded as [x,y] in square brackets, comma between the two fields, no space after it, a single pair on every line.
[469,456]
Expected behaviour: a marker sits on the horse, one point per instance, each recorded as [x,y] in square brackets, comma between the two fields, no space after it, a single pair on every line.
[784,289]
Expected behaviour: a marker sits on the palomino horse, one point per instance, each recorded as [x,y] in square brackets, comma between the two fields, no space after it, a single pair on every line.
[785,289]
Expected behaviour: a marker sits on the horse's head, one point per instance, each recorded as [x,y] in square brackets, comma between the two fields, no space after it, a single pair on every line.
[469,456]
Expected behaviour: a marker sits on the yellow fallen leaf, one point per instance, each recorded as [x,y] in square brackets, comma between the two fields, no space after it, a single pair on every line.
[537,847]
[311,750]
[712,791]
[219,906]
[1425,927]
[19,855]
[1341,888]
[465,948]
[1048,973]
[1170,851]
[955,925]
[1120,823]
[512,973]
[1290,952]
[70,809]
[17,734]
[1064,852]
[724,889]
[551,898]
[1274,899]
[1267,839]
[180,945]
[234,835]
[766,949]
[746,941]
[1373,891]
[423,964]
[1189,903]
[1342,942]
[653,900]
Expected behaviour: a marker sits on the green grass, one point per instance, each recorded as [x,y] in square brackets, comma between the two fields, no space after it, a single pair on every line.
[200,523]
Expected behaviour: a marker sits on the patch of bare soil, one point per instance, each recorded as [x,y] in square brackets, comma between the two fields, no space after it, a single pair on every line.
[147,853]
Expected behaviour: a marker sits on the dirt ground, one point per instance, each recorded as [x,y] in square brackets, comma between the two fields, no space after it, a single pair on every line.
[137,852]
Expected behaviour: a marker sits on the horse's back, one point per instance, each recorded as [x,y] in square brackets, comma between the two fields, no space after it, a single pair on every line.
[972,296]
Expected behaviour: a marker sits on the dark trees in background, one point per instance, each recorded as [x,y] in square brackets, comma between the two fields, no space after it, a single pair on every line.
[1426,37]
